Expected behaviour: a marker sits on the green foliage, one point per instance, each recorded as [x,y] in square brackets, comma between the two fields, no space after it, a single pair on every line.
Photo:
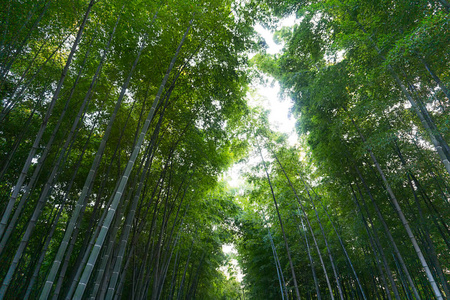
[341,65]
[183,216]
[337,66]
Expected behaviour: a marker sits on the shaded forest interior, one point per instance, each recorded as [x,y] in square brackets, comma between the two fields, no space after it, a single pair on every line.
[119,119]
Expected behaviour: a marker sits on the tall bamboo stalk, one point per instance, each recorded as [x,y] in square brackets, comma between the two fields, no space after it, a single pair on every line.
[313,236]
[123,181]
[288,252]
[31,154]
[403,219]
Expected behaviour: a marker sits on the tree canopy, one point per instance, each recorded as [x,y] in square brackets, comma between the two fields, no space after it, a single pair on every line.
[119,120]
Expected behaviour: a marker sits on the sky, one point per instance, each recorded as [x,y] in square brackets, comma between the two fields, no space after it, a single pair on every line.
[267,96]
[280,120]
[279,117]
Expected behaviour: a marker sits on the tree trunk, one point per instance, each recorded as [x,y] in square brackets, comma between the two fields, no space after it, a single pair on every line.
[280,275]
[15,96]
[129,221]
[389,235]
[374,241]
[95,164]
[180,288]
[37,269]
[439,144]
[316,284]
[19,139]
[47,188]
[432,253]
[340,240]
[118,195]
[313,236]
[43,126]
[438,81]
[404,221]
[22,45]
[282,228]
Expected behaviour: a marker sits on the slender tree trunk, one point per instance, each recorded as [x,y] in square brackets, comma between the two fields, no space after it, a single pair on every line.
[435,214]
[157,282]
[5,232]
[40,133]
[193,288]
[283,287]
[404,221]
[288,252]
[118,292]
[388,233]
[172,282]
[149,253]
[316,283]
[9,105]
[7,50]
[156,279]
[279,270]
[56,167]
[19,139]
[25,40]
[340,241]
[432,253]
[325,240]
[171,249]
[436,78]
[180,227]
[42,256]
[313,236]
[180,288]
[118,195]
[375,245]
[401,276]
[5,29]
[429,120]
[127,227]
[371,271]
[439,144]
[107,253]
[64,200]
[378,244]
[16,96]
[88,183]
[46,190]
[85,253]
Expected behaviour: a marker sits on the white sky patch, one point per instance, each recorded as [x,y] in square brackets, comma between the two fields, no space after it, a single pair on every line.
[268,35]
[234,178]
[229,248]
[279,118]
[266,96]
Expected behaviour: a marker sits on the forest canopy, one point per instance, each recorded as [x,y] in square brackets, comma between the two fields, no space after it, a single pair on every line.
[119,120]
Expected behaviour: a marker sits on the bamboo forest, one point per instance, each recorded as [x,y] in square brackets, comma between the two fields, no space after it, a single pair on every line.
[140,157]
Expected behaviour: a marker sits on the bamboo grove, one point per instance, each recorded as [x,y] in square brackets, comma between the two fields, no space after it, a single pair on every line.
[360,208]
[118,119]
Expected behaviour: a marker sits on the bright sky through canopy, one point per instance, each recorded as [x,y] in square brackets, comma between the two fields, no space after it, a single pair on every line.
[267,96]
[279,119]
